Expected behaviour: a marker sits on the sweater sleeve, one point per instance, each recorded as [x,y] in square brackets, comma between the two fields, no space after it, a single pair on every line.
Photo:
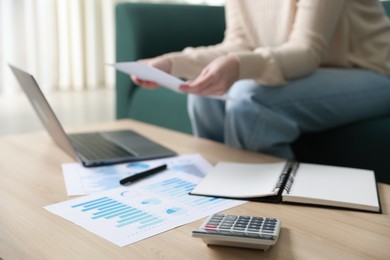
[313,27]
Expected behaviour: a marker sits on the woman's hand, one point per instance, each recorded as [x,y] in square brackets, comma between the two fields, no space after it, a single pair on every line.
[215,79]
[161,63]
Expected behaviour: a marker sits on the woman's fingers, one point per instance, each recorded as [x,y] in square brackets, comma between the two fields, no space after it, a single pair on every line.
[144,83]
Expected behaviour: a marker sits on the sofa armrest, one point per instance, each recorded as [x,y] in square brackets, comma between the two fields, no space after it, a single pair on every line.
[147,30]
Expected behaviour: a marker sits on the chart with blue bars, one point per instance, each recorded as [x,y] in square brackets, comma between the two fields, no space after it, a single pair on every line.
[83,181]
[129,214]
[122,214]
[179,189]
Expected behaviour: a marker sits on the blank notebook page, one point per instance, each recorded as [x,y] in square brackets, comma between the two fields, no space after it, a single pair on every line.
[240,180]
[332,183]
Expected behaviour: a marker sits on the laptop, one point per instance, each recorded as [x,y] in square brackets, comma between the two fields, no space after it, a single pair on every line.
[92,148]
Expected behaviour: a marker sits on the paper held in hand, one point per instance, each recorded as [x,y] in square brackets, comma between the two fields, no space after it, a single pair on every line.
[149,73]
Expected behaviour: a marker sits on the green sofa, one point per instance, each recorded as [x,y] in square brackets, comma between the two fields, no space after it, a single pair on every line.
[147,30]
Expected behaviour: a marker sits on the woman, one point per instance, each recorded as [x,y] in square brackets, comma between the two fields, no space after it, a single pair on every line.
[288,67]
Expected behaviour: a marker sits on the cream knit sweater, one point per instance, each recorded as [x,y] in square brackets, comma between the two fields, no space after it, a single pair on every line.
[278,40]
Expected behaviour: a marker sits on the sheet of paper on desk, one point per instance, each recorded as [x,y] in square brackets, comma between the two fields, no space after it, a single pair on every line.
[82,181]
[146,208]
[149,73]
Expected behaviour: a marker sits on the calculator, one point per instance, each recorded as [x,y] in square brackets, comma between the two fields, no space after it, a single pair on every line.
[239,231]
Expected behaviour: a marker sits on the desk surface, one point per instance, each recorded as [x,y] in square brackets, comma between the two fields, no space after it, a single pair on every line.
[32,178]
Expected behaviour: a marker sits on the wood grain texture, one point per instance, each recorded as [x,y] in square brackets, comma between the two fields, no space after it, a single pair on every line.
[32,178]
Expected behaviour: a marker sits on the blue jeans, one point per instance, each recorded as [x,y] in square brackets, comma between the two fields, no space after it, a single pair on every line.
[268,119]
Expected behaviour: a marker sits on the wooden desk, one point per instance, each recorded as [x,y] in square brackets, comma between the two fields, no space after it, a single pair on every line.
[31,178]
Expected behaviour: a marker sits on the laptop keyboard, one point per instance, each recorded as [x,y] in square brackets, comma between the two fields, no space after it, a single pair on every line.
[94,146]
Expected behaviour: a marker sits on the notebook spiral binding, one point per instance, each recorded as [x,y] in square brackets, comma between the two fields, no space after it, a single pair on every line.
[289,172]
[293,171]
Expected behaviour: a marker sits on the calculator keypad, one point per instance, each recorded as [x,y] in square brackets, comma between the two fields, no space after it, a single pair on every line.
[245,226]
[239,231]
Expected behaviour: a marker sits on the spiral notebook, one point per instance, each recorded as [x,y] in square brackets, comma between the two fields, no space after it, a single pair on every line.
[293,182]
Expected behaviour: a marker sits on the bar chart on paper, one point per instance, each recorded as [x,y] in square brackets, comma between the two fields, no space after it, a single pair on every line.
[83,181]
[123,214]
[127,215]
[179,189]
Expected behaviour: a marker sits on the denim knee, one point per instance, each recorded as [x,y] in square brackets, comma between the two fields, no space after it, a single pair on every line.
[207,117]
